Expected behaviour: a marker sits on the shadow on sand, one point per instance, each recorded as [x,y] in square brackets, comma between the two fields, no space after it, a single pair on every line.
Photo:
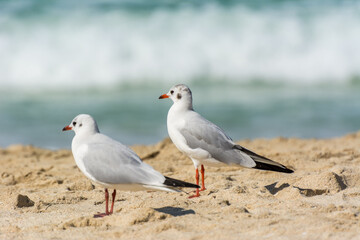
[175,211]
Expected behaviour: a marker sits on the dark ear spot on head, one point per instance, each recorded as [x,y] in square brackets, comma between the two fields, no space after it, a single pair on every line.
[178,96]
[80,124]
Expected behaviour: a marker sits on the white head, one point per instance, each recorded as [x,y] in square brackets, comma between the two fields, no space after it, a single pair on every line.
[82,123]
[180,94]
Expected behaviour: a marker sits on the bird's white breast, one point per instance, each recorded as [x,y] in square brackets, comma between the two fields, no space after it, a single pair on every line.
[175,122]
[79,154]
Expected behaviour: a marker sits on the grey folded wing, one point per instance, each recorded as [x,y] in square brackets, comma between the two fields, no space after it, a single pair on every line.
[200,133]
[114,163]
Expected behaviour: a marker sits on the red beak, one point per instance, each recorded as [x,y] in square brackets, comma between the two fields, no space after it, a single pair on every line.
[67,128]
[163,96]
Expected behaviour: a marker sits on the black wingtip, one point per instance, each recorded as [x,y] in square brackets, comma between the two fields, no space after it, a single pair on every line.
[261,165]
[178,183]
[269,167]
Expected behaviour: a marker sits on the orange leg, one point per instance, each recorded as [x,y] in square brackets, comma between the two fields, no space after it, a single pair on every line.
[106,201]
[113,200]
[106,206]
[197,194]
[202,178]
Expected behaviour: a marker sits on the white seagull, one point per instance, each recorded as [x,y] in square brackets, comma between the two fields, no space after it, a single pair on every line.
[204,142]
[112,164]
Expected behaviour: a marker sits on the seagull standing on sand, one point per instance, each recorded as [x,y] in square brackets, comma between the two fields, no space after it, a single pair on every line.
[112,164]
[204,142]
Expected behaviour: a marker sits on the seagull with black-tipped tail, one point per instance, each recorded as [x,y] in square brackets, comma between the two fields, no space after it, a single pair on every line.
[113,165]
[204,142]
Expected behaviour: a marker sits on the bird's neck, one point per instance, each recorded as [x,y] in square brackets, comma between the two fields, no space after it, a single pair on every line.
[82,137]
[176,111]
[184,105]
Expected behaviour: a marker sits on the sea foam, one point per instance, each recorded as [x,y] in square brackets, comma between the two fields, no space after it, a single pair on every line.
[293,44]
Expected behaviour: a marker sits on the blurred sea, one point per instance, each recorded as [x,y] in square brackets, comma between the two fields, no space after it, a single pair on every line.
[257,68]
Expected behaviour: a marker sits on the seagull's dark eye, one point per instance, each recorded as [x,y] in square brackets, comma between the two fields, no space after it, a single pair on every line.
[172,91]
[74,123]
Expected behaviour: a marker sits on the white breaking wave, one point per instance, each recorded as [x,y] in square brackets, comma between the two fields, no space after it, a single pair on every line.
[236,44]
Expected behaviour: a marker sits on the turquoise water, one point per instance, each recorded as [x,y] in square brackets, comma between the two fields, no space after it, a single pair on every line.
[256,68]
[137,116]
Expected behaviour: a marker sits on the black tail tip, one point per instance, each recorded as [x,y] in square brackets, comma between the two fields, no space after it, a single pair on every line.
[178,183]
[269,167]
[287,170]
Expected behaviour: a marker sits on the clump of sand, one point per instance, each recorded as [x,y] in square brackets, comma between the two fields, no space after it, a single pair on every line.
[321,200]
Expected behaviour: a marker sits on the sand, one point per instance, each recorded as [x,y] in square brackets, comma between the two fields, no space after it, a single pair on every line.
[43,195]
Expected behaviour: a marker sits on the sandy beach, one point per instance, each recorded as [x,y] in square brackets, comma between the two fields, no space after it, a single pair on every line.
[43,195]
